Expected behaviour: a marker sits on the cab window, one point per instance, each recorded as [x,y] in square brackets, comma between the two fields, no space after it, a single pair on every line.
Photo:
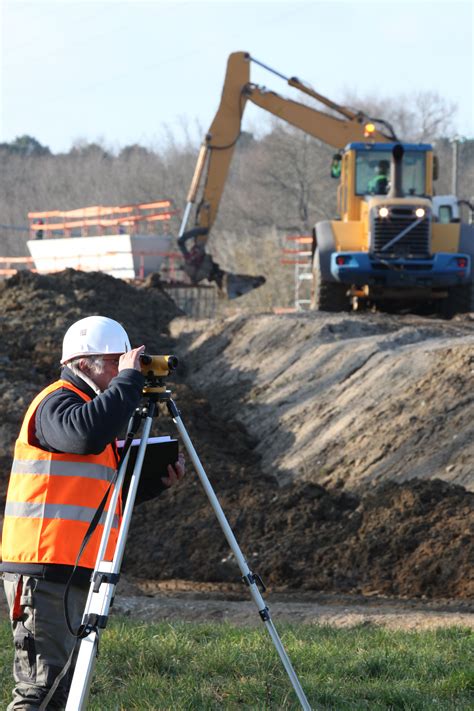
[445,214]
[371,167]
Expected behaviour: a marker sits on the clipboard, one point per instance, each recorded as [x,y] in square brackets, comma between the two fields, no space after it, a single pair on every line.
[159,453]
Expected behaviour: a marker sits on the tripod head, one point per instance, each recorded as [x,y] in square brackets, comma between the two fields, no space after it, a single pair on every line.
[156,368]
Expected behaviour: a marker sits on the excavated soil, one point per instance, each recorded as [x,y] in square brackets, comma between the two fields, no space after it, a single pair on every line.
[340,446]
[333,398]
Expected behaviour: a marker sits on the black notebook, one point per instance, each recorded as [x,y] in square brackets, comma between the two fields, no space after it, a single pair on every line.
[160,451]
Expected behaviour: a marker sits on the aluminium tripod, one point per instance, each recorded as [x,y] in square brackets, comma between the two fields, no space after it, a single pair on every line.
[106,573]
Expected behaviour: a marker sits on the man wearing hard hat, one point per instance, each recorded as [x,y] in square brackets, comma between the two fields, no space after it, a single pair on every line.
[65,458]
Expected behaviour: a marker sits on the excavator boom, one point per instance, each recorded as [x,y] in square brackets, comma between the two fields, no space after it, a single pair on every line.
[218,147]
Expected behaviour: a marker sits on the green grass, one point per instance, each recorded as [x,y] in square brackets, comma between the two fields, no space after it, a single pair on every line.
[191,666]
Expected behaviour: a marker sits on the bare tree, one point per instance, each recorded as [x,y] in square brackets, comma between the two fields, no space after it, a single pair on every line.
[419,117]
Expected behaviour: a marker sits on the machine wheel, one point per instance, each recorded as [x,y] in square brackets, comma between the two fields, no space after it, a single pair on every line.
[327,295]
[460,300]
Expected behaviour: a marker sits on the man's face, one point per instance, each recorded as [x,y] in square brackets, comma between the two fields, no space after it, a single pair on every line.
[103,369]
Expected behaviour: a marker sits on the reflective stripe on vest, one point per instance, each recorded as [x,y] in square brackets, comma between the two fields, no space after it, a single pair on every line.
[62,511]
[52,498]
[55,468]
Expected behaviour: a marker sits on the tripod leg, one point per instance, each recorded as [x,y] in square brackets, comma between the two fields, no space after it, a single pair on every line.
[249,578]
[104,580]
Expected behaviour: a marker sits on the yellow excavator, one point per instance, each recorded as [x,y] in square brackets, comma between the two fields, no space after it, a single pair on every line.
[387,242]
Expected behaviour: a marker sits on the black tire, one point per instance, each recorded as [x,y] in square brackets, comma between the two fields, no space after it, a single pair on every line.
[327,295]
[460,300]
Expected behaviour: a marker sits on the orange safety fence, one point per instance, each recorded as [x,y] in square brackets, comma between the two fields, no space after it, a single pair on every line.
[99,210]
[121,221]
[301,239]
[99,216]
[299,255]
[8,270]
[16,260]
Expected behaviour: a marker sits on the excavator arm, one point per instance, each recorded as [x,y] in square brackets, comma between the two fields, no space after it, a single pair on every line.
[218,147]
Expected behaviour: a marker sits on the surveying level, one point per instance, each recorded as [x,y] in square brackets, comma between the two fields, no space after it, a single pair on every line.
[155,368]
[107,573]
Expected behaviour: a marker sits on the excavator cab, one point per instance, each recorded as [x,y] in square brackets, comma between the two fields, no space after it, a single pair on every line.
[373,171]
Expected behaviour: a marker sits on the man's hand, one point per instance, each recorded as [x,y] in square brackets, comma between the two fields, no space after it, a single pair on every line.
[131,359]
[176,473]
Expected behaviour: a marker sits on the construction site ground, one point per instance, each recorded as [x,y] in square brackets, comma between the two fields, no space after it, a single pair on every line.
[339,445]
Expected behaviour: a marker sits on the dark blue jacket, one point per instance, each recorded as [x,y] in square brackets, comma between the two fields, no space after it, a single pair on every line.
[65,423]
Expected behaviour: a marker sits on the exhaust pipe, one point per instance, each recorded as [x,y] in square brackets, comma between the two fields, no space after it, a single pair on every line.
[396,172]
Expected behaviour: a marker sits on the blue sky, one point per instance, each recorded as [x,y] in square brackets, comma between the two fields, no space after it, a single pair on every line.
[126,72]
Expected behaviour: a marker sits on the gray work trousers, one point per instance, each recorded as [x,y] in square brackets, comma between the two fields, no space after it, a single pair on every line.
[42,640]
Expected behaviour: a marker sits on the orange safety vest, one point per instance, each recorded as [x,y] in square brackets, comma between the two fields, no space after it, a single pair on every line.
[52,498]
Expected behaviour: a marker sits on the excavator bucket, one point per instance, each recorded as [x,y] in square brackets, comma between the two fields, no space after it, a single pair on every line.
[199,265]
[235,285]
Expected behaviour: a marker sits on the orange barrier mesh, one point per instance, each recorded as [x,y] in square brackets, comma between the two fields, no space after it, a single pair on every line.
[6,268]
[97,219]
[16,260]
[297,255]
[300,239]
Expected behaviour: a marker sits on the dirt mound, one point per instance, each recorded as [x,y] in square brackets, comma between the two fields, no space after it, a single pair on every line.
[37,309]
[413,539]
[362,398]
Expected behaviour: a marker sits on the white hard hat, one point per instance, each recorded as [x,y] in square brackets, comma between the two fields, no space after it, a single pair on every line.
[94,335]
